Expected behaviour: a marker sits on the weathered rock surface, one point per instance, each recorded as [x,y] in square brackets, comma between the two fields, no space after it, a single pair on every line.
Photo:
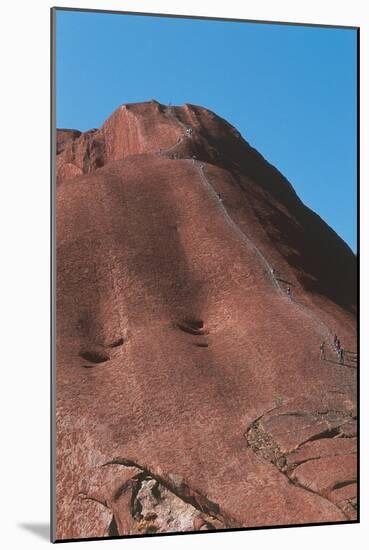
[308,444]
[190,392]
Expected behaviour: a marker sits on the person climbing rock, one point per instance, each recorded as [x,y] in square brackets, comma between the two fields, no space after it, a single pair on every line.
[335,340]
[322,351]
[342,356]
[338,345]
[274,272]
[289,293]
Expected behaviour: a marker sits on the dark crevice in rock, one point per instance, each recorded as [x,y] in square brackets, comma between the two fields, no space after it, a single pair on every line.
[86,158]
[201,344]
[192,326]
[121,491]
[341,484]
[293,465]
[207,527]
[296,483]
[113,529]
[95,356]
[116,343]
[330,433]
[136,507]
[157,501]
[344,436]
[86,497]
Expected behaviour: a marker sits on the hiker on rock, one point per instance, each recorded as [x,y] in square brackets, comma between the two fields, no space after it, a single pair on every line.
[322,351]
[335,340]
[338,345]
[289,293]
[342,356]
[274,272]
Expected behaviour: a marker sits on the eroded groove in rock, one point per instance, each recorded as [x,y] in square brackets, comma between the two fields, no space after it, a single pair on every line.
[116,343]
[342,484]
[94,356]
[192,326]
[325,434]
[201,344]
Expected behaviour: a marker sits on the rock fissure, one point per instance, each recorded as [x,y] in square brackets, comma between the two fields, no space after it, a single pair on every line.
[264,445]
[157,502]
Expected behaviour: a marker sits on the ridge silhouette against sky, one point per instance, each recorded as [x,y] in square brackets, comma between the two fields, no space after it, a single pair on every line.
[290,90]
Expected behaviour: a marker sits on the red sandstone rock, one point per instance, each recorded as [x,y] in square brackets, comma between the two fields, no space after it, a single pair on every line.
[179,355]
[326,474]
[323,448]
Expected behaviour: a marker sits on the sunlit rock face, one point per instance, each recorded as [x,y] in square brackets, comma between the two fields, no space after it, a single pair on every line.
[190,390]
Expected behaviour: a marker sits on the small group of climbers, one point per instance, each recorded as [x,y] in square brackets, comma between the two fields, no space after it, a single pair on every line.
[337,346]
[336,341]
[339,349]
[179,140]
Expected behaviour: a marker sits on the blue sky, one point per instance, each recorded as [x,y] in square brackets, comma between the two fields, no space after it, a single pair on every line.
[290,90]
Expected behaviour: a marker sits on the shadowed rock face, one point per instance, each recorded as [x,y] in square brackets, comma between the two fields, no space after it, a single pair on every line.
[190,392]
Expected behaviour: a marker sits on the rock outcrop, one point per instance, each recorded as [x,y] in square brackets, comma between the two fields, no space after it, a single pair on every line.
[190,390]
